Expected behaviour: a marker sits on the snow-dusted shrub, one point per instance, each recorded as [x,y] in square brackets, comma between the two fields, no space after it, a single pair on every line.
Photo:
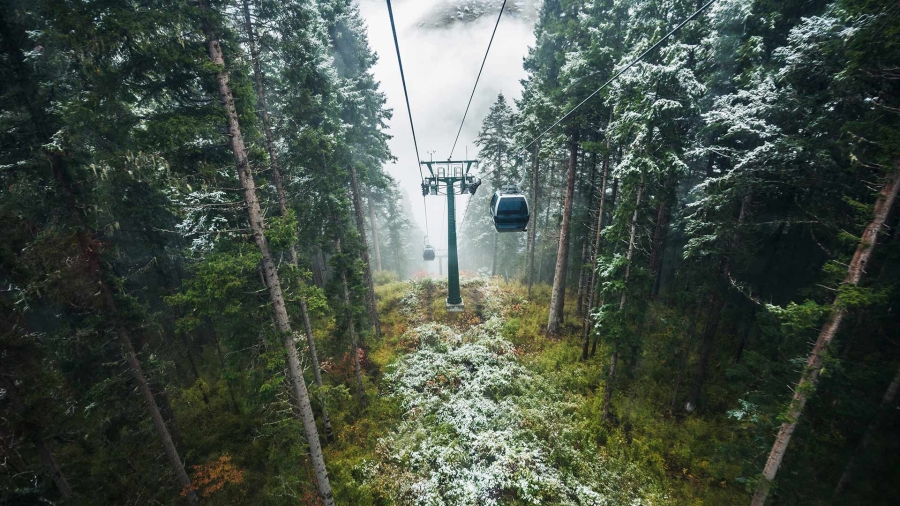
[480,428]
[410,304]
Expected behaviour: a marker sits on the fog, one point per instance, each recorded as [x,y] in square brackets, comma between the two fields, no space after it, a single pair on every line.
[441,57]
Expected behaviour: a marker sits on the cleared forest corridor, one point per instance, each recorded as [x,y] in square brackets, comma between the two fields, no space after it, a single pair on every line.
[477,425]
[449,252]
[482,407]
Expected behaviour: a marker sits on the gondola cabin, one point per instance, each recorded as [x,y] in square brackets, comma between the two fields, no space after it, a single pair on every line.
[509,210]
[428,254]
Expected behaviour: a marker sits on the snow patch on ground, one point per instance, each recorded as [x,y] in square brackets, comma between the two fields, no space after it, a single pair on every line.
[481,428]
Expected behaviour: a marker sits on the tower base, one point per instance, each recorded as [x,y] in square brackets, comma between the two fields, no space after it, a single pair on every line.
[456,308]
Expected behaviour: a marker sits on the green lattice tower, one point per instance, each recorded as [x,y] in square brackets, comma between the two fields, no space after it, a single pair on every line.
[443,181]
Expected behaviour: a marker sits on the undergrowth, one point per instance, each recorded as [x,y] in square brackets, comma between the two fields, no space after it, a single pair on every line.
[482,407]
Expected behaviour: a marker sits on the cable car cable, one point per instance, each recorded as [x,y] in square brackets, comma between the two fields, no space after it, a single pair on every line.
[408,109]
[617,74]
[476,79]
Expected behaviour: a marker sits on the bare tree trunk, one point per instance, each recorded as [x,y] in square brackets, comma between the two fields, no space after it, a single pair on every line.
[263,112]
[558,294]
[886,402]
[155,415]
[373,224]
[586,325]
[582,281]
[273,283]
[532,232]
[632,240]
[165,408]
[371,303]
[319,268]
[810,375]
[354,347]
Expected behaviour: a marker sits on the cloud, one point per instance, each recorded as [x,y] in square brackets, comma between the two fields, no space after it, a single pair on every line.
[441,57]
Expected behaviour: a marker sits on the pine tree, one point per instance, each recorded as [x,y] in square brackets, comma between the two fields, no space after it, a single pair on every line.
[269,271]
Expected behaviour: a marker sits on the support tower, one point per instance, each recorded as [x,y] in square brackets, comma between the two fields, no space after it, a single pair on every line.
[443,180]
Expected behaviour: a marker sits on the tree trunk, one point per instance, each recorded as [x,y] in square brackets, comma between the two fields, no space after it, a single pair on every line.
[661,231]
[319,268]
[540,275]
[165,407]
[612,205]
[317,370]
[586,325]
[632,240]
[532,232]
[351,325]
[582,281]
[612,197]
[715,312]
[607,395]
[745,336]
[56,473]
[494,254]
[215,338]
[558,294]
[282,198]
[273,283]
[886,402]
[373,224]
[657,281]
[263,110]
[810,375]
[656,252]
[708,340]
[584,276]
[155,415]
[191,362]
[92,259]
[371,303]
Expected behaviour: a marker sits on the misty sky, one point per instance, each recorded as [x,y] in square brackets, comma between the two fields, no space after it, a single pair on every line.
[441,65]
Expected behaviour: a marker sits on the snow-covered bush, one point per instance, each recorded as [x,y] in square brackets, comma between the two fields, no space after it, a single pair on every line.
[481,428]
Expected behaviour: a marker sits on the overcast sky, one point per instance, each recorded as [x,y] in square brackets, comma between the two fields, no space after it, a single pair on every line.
[441,65]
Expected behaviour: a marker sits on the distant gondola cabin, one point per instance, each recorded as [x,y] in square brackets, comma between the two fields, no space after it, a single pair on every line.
[428,254]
